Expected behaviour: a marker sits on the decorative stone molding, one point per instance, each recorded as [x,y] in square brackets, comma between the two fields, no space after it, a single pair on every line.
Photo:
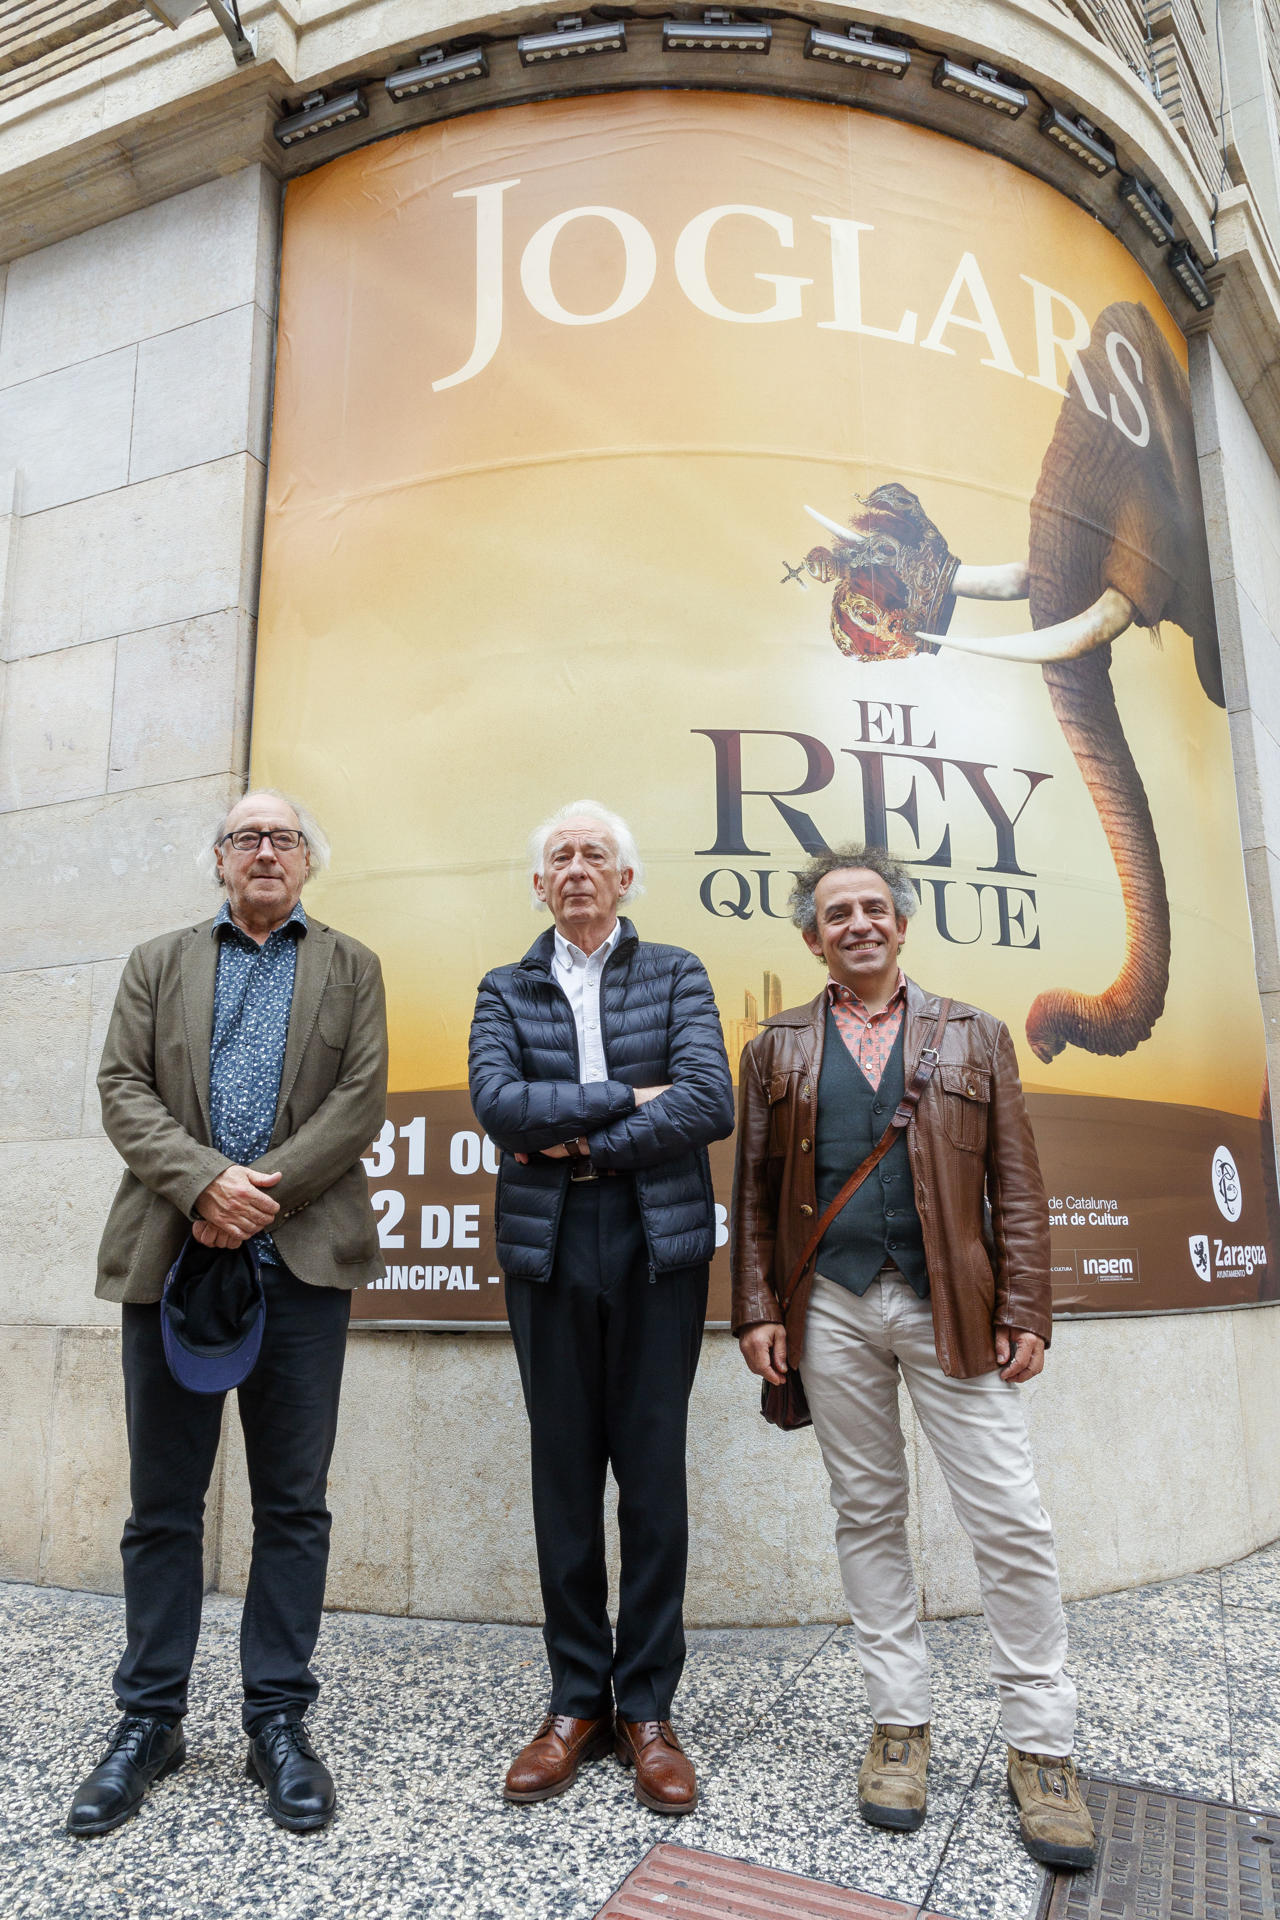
[1245,321]
[34,33]
[184,82]
[161,111]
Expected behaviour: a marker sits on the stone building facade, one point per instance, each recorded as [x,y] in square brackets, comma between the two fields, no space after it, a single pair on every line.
[140,192]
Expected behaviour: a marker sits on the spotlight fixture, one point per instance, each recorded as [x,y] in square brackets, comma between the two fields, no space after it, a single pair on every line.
[980,82]
[1146,206]
[172,13]
[317,115]
[1081,138]
[435,68]
[718,30]
[570,36]
[856,48]
[1187,271]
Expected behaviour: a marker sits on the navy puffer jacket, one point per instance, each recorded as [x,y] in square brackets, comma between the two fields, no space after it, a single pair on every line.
[659,1024]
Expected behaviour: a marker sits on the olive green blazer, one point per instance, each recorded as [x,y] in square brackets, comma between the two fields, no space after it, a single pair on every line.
[154,1087]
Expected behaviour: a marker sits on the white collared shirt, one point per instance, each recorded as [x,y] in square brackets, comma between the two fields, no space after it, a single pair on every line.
[579,975]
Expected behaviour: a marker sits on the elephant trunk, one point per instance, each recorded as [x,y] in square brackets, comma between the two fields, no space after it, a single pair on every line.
[1123,1016]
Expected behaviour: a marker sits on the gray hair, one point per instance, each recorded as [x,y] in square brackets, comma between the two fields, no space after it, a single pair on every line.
[312,832]
[804,910]
[614,825]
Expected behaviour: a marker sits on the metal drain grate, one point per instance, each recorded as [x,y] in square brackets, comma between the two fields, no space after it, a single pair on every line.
[677,1883]
[1168,1856]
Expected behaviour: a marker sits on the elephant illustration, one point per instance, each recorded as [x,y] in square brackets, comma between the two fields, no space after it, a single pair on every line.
[1117,541]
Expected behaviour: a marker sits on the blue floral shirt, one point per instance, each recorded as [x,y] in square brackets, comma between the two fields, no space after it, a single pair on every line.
[252,999]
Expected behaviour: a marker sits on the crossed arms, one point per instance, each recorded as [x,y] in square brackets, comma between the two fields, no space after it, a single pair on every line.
[628,1128]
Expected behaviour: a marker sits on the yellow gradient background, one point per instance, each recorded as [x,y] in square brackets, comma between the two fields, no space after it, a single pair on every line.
[480,603]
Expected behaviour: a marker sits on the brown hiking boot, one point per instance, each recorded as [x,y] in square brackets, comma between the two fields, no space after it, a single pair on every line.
[891,1779]
[1057,1827]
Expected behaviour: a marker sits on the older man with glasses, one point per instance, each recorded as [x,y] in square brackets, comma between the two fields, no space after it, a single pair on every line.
[244,1074]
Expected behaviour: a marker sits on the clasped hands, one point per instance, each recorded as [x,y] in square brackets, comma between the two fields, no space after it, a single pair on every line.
[1019,1355]
[560,1152]
[234,1207]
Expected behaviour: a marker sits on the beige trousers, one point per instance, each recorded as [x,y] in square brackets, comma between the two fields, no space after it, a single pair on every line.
[854,1348]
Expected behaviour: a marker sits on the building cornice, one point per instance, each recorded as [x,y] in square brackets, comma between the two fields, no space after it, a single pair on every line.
[1245,321]
[171,110]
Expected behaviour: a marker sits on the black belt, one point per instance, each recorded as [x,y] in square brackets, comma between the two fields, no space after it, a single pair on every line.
[582,1170]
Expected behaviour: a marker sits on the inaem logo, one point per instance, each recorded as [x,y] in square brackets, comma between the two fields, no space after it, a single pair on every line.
[1226,1185]
[1199,1245]
[1118,1263]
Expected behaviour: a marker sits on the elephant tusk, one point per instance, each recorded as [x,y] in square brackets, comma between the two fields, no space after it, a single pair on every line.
[1105,620]
[832,526]
[1007,582]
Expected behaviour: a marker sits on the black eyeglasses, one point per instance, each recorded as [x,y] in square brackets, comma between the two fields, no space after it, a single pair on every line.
[249,839]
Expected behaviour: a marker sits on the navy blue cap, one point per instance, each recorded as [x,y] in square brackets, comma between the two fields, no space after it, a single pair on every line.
[212,1314]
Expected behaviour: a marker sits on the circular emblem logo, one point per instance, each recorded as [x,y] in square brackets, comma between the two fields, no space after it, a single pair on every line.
[1226,1185]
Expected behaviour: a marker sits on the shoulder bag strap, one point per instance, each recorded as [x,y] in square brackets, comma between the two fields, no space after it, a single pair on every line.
[906,1107]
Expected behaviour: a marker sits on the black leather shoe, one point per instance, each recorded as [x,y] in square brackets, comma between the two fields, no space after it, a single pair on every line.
[299,1786]
[141,1750]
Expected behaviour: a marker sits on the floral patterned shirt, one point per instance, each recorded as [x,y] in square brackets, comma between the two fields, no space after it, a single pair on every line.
[868,1036]
[252,1000]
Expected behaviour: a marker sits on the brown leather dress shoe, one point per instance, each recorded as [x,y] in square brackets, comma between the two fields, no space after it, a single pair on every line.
[552,1758]
[665,1780]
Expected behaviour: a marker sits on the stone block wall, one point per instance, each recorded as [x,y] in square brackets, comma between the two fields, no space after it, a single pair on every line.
[1156,1442]
[135,365]
[1242,510]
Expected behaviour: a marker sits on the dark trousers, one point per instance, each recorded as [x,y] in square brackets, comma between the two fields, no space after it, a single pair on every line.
[289,1415]
[607,1358]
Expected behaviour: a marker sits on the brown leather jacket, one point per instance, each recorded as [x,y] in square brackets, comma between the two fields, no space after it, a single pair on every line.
[970,1137]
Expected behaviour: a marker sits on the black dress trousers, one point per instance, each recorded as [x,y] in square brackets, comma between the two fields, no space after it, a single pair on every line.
[289,1416]
[607,1358]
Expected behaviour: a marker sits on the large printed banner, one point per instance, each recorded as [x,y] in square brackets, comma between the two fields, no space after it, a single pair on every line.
[778,476]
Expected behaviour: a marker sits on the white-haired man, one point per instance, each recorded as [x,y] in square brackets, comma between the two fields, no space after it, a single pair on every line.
[597,1066]
[243,1076]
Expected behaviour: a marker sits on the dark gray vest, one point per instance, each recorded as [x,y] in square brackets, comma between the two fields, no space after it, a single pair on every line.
[880,1222]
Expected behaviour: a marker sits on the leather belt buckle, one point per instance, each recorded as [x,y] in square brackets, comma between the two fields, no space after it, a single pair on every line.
[582,1170]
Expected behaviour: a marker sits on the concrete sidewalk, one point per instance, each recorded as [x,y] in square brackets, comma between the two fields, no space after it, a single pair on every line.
[1178,1688]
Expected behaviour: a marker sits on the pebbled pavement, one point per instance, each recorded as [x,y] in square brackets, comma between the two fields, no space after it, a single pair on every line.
[418,1720]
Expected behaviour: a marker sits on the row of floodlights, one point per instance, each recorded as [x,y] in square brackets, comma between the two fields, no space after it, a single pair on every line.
[719,30]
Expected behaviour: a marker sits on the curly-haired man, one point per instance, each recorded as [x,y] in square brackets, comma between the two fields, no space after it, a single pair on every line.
[909,1280]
